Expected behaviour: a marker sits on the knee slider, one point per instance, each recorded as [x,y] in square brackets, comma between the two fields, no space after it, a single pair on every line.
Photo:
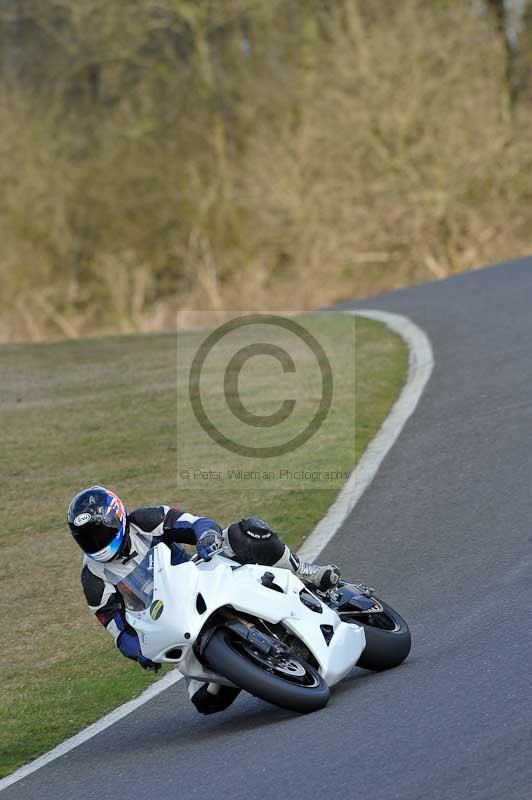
[254,542]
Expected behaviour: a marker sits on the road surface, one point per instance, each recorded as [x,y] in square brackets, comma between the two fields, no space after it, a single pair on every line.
[445,531]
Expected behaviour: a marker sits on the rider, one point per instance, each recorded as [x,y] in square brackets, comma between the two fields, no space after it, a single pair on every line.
[106,533]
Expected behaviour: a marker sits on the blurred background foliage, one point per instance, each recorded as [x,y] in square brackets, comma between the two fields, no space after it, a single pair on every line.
[164,154]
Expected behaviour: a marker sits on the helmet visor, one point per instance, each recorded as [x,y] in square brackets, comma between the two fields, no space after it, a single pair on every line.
[93,538]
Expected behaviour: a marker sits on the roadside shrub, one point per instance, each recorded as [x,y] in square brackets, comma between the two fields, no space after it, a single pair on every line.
[248,154]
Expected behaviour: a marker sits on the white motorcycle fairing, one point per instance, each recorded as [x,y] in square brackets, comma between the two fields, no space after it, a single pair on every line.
[186,595]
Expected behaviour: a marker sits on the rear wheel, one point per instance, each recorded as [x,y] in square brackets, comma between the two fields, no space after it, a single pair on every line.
[388,638]
[286,680]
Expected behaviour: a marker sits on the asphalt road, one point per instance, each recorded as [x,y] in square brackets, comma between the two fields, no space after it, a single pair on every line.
[445,532]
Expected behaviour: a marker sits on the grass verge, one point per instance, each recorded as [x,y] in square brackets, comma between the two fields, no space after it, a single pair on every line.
[104,410]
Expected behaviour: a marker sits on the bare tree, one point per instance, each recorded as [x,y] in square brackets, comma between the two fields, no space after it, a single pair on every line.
[513,20]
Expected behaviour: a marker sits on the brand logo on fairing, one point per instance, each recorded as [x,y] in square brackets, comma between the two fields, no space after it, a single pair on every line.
[82,519]
[156,609]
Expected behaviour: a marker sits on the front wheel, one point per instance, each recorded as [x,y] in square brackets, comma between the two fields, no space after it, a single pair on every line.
[286,681]
[388,638]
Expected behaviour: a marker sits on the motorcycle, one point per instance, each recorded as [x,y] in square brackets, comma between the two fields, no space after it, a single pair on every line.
[258,628]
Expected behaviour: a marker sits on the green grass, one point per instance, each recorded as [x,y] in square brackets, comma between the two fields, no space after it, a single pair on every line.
[104,410]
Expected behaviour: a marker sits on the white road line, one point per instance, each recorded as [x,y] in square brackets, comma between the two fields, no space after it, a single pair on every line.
[421,362]
[93,730]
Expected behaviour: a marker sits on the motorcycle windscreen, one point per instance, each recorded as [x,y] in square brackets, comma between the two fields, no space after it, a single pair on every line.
[137,587]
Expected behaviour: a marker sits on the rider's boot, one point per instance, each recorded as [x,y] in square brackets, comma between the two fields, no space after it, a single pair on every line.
[323,578]
[209,698]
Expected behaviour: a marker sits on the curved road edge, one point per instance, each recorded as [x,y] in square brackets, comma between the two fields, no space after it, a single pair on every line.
[420,366]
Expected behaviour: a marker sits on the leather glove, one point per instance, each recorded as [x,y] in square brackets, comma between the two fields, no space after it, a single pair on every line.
[209,543]
[148,664]
[129,646]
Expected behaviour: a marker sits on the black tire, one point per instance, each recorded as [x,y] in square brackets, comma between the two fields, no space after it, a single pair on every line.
[227,655]
[388,639]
